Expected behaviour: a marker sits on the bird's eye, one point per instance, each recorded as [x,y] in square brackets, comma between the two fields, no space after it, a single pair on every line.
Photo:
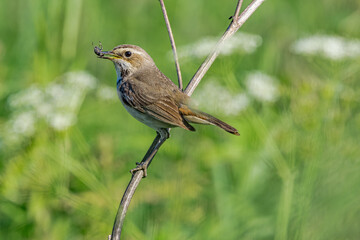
[128,54]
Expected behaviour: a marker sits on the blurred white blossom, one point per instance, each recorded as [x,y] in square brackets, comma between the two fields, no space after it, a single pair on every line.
[44,109]
[240,42]
[61,121]
[57,104]
[23,123]
[261,86]
[82,80]
[106,93]
[332,47]
[19,126]
[217,99]
[26,98]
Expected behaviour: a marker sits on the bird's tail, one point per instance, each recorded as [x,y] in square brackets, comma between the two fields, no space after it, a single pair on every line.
[195,116]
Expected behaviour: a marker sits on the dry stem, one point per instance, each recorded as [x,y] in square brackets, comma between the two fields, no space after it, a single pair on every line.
[172,41]
[236,23]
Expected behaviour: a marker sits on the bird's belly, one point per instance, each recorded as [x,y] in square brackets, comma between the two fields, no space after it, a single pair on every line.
[144,118]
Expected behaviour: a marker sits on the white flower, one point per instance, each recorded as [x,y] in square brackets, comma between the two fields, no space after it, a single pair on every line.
[244,42]
[27,98]
[240,42]
[261,86]
[58,94]
[57,104]
[106,93]
[217,99]
[61,121]
[82,80]
[332,47]
[23,124]
[236,104]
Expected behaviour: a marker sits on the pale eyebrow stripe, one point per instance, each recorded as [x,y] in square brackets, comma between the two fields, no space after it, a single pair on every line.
[134,51]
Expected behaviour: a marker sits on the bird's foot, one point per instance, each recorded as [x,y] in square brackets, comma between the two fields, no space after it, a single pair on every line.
[140,166]
[164,133]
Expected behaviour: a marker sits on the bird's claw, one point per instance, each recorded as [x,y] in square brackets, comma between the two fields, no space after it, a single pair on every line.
[140,166]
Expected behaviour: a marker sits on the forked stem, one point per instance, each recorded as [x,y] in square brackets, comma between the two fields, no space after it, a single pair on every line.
[236,23]
[173,46]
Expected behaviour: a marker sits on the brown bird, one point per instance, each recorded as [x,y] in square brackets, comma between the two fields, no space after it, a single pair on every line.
[149,96]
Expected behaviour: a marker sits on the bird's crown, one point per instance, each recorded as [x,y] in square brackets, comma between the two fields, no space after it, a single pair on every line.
[128,59]
[128,56]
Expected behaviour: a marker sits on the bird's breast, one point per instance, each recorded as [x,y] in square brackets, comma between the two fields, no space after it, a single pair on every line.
[138,115]
[118,82]
[124,92]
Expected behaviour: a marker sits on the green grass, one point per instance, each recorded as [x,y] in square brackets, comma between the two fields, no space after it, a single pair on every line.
[292,174]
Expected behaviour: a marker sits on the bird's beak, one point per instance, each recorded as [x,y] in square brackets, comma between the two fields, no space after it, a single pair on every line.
[108,55]
[105,54]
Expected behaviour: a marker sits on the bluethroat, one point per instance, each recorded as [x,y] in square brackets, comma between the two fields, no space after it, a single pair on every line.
[152,98]
[149,96]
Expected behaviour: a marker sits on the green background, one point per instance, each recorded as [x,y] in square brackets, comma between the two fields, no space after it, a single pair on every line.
[292,174]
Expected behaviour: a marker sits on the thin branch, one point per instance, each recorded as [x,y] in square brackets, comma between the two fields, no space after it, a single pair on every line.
[124,204]
[233,27]
[237,22]
[237,10]
[130,190]
[172,41]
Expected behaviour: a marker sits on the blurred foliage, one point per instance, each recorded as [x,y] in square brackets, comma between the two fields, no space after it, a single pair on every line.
[292,174]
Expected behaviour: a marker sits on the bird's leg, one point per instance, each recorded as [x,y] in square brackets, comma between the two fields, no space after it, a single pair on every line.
[161,136]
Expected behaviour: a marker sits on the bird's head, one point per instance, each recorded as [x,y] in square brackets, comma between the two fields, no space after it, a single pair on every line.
[126,58]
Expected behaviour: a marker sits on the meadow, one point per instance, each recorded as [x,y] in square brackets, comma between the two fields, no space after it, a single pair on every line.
[288,81]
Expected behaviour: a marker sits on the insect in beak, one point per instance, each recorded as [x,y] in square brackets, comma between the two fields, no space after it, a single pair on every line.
[104,54]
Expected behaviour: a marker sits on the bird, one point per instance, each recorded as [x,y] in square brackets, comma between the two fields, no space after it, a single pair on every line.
[151,97]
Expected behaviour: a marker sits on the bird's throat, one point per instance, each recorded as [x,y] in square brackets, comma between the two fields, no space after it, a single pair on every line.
[119,75]
[118,81]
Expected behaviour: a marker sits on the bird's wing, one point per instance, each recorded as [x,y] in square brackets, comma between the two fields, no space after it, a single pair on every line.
[156,103]
[132,95]
[166,110]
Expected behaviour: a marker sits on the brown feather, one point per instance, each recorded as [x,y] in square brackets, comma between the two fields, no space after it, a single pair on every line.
[195,116]
[159,104]
[166,110]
